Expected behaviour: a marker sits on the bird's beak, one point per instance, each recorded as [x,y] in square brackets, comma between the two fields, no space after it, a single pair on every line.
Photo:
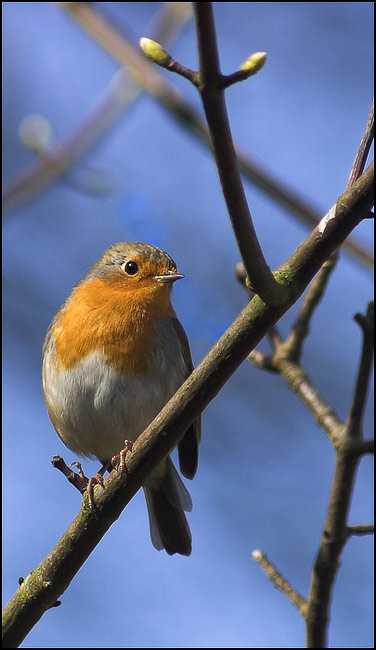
[169,276]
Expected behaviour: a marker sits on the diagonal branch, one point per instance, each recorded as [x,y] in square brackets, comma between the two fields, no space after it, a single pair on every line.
[280,582]
[41,589]
[301,385]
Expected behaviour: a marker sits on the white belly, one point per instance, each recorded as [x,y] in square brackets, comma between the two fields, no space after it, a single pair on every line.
[94,409]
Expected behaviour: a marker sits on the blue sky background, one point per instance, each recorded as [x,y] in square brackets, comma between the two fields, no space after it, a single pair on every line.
[265,467]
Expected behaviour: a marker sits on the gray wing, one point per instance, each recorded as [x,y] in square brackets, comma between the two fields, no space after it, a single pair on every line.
[188,445]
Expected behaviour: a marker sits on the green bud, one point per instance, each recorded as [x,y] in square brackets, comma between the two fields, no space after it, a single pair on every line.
[154,51]
[254,63]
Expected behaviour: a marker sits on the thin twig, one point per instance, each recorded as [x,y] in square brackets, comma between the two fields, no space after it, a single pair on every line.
[274,337]
[262,361]
[362,529]
[301,385]
[355,417]
[300,328]
[75,479]
[280,582]
[363,447]
[363,149]
[250,67]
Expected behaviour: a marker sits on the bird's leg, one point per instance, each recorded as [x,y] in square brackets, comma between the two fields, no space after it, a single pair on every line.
[97,479]
[118,461]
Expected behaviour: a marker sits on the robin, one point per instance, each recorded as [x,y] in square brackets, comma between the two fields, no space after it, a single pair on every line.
[113,356]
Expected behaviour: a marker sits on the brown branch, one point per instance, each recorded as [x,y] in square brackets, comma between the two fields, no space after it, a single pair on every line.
[212,95]
[336,531]
[363,149]
[301,327]
[41,589]
[75,479]
[280,582]
[156,53]
[262,361]
[355,417]
[365,529]
[249,68]
[301,385]
[333,539]
[274,337]
[316,609]
[363,447]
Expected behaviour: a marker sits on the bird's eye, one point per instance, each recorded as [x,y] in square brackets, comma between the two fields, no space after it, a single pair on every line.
[130,268]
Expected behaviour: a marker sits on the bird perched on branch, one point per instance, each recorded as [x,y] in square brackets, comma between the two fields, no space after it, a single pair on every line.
[113,356]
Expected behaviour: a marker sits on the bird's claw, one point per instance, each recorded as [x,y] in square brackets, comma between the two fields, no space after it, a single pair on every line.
[118,461]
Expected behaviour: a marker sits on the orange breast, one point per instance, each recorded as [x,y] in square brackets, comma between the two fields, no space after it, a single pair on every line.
[113,319]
